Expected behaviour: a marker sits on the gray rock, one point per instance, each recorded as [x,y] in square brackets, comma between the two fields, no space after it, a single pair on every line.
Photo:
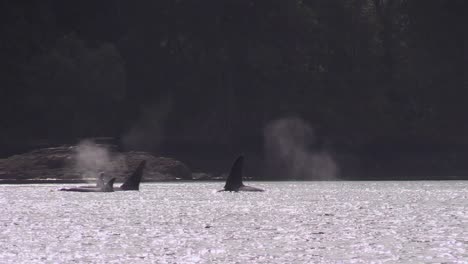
[60,163]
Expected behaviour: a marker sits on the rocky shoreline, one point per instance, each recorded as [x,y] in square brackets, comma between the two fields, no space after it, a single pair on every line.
[62,164]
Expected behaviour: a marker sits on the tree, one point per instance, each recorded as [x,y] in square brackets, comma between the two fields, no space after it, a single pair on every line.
[76,86]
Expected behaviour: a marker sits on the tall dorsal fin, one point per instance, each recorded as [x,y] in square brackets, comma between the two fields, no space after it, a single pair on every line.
[109,186]
[132,183]
[234,179]
[100,180]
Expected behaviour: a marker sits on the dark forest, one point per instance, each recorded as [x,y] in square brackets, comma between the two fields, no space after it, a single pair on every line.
[381,84]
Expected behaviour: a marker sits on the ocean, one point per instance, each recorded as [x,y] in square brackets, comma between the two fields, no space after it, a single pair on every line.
[189,222]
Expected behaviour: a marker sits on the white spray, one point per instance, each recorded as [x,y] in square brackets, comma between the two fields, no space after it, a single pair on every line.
[289,145]
[91,159]
[148,131]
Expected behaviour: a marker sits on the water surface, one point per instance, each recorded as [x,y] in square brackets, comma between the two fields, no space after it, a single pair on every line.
[191,223]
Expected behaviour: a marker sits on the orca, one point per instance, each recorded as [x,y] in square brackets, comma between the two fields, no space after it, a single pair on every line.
[234,180]
[131,183]
[107,187]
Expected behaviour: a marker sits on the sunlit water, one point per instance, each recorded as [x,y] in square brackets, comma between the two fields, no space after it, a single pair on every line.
[292,222]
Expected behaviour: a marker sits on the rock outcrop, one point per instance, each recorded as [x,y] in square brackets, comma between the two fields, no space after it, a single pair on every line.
[63,164]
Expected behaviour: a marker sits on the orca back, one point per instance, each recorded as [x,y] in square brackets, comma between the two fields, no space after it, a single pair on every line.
[234,179]
[132,182]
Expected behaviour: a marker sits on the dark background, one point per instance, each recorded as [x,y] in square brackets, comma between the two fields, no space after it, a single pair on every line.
[382,82]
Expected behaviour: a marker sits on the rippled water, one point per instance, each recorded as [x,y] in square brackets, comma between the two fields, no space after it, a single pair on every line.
[191,223]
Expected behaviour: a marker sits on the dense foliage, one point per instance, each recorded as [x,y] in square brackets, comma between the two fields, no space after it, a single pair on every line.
[215,73]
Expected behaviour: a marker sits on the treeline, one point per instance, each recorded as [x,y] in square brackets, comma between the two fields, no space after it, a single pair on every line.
[361,72]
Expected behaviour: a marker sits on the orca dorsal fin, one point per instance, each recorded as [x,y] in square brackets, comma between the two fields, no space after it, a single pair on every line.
[109,186]
[100,180]
[234,179]
[132,182]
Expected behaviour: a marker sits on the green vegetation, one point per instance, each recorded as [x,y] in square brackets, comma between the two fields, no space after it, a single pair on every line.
[362,72]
